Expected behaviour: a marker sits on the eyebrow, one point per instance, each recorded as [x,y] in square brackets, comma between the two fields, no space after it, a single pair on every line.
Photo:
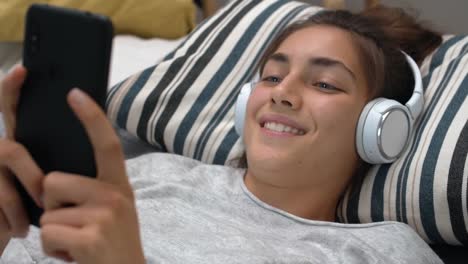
[318,61]
[279,57]
[327,62]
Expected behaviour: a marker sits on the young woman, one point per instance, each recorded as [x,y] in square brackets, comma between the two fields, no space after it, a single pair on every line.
[300,130]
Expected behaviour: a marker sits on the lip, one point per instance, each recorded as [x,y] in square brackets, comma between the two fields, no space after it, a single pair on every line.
[282,120]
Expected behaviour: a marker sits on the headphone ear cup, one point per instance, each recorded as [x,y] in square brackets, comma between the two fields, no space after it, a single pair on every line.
[383,131]
[241,107]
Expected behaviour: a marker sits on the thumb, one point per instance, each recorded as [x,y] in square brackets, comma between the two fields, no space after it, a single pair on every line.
[106,144]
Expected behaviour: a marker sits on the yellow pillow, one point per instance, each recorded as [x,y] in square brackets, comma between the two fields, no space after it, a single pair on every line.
[145,18]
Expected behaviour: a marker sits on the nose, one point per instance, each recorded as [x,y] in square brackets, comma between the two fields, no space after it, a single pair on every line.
[287,94]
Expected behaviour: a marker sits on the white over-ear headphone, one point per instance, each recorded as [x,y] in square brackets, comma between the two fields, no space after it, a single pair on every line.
[384,126]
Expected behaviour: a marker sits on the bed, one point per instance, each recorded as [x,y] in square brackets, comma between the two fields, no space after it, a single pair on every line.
[222,52]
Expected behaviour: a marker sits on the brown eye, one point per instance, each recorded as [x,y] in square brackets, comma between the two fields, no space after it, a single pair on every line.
[271,79]
[326,86]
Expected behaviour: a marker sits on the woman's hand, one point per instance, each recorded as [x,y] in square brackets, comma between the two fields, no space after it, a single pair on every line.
[101,226]
[15,160]
[99,223]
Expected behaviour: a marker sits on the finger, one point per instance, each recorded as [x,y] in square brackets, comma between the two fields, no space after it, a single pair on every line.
[15,158]
[5,80]
[13,215]
[12,206]
[5,228]
[62,255]
[60,190]
[72,216]
[107,150]
[60,241]
[10,90]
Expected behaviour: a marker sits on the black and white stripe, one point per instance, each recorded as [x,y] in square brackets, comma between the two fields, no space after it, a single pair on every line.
[427,186]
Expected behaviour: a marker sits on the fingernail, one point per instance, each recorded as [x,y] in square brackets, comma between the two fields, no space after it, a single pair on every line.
[77,96]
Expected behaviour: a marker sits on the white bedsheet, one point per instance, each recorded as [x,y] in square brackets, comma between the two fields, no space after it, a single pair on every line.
[131,54]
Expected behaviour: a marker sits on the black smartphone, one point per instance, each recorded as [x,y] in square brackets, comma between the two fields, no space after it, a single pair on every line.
[63,49]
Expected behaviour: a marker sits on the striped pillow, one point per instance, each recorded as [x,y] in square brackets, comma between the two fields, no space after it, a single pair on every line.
[184,104]
[427,186]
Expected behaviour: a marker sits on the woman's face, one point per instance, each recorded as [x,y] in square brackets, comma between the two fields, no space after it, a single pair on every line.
[301,117]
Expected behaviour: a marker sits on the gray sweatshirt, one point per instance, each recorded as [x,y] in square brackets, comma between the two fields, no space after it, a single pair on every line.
[192,212]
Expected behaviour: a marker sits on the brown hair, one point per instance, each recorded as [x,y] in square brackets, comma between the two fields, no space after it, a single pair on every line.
[380,33]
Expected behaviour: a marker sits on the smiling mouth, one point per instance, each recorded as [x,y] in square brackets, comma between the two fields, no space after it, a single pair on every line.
[281,128]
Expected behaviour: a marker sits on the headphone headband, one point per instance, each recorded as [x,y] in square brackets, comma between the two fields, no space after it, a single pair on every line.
[416,102]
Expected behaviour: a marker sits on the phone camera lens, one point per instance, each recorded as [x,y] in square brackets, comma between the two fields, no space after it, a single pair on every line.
[34,43]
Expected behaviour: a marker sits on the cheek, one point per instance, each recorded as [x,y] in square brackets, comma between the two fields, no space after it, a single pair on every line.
[258,98]
[338,118]
[347,117]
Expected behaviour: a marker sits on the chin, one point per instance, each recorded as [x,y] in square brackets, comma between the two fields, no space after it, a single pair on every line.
[271,159]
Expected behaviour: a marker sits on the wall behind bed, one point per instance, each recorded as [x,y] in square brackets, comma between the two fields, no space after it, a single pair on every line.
[447,16]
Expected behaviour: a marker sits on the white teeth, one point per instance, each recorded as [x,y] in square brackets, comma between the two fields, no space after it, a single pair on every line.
[277,127]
